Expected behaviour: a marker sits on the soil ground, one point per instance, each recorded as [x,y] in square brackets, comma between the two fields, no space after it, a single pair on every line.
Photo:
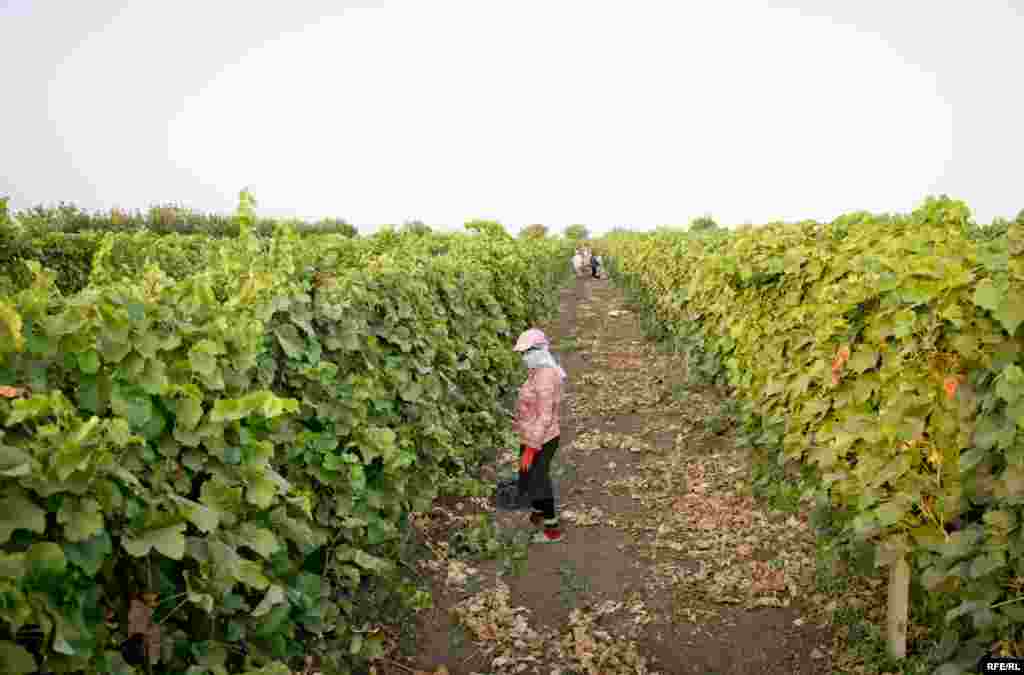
[668,564]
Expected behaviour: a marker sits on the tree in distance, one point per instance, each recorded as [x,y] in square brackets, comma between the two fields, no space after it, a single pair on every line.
[577,232]
[536,231]
[490,228]
[416,227]
[704,223]
[336,226]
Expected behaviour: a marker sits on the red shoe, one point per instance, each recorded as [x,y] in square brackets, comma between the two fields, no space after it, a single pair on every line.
[548,536]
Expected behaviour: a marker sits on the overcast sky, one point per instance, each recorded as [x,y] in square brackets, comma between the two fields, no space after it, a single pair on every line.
[634,113]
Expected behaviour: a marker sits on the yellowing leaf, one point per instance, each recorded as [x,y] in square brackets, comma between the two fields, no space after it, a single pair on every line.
[260,491]
[19,513]
[259,539]
[169,541]
[203,517]
[274,596]
[15,659]
[11,321]
[250,573]
[81,518]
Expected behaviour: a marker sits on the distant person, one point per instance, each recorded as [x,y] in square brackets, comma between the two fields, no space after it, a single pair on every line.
[595,264]
[537,422]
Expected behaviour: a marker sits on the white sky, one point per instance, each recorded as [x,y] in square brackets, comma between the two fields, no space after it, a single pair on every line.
[634,113]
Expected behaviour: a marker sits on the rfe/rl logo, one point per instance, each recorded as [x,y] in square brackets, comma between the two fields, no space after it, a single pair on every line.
[1001,664]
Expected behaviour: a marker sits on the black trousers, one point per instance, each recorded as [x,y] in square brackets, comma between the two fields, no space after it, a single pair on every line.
[535,483]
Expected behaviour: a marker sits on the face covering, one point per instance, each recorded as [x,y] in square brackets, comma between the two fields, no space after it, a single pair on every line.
[542,358]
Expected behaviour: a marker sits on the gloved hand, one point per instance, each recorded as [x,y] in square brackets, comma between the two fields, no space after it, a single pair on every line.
[528,456]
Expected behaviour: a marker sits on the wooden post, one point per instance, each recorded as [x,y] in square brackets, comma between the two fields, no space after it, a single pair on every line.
[899,606]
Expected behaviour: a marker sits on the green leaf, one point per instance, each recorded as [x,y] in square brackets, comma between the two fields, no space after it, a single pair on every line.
[927,535]
[89,394]
[232,602]
[357,478]
[234,632]
[965,607]
[1010,384]
[136,311]
[369,562]
[203,517]
[274,596]
[18,513]
[15,659]
[89,362]
[203,357]
[120,434]
[47,557]
[987,563]
[133,404]
[202,600]
[261,491]
[29,409]
[379,530]
[113,348]
[169,541]
[259,539]
[81,519]
[1014,611]
[262,402]
[12,565]
[275,668]
[373,647]
[971,458]
[1001,520]
[988,432]
[291,341]
[232,455]
[250,573]
[863,360]
[90,554]
[229,410]
[411,392]
[379,442]
[333,462]
[987,296]
[890,513]
[14,462]
[1010,313]
[959,544]
[153,379]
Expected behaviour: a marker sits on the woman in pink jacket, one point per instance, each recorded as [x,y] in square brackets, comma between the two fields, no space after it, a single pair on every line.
[537,423]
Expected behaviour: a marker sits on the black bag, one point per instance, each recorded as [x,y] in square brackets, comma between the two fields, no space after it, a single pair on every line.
[508,498]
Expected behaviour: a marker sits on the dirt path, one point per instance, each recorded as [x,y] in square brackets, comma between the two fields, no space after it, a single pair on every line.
[668,565]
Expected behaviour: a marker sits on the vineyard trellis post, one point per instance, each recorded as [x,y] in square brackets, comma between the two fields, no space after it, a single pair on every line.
[898,607]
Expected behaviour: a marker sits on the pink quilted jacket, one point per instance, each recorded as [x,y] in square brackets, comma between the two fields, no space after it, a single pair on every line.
[539,407]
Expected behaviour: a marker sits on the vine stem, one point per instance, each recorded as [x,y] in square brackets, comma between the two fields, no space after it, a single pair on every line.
[1007,602]
[398,665]
[179,606]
